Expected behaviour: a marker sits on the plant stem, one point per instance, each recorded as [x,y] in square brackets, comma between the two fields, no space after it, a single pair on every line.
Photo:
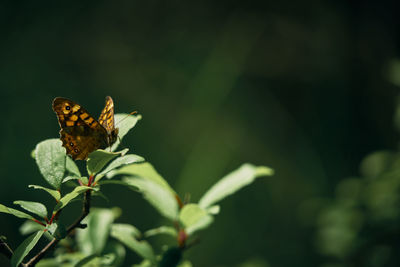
[5,249]
[77,224]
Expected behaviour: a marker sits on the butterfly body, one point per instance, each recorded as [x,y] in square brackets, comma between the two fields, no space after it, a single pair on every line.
[80,133]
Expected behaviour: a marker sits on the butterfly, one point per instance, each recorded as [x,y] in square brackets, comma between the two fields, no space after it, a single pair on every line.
[80,133]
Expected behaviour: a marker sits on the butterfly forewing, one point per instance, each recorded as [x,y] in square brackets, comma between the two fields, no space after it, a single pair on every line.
[106,118]
[80,133]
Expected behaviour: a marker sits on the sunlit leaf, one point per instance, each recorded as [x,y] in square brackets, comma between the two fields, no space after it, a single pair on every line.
[50,157]
[57,230]
[24,248]
[98,159]
[93,238]
[16,213]
[70,196]
[194,218]
[29,227]
[146,171]
[231,183]
[34,207]
[118,162]
[50,263]
[91,260]
[189,264]
[126,228]
[54,193]
[158,196]
[166,230]
[71,167]
[213,210]
[124,122]
[70,178]
[117,250]
[126,235]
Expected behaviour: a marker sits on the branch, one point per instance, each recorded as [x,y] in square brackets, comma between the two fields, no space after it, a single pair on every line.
[5,248]
[77,224]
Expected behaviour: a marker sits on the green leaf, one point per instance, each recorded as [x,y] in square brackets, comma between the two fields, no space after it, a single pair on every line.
[118,162]
[91,260]
[146,171]
[118,182]
[57,230]
[188,264]
[127,235]
[231,183]
[126,228]
[124,122]
[71,167]
[84,180]
[54,193]
[117,250]
[194,218]
[29,227]
[99,158]
[70,196]
[158,196]
[50,263]
[166,230]
[50,158]
[25,247]
[144,263]
[213,210]
[34,207]
[93,238]
[70,178]
[16,213]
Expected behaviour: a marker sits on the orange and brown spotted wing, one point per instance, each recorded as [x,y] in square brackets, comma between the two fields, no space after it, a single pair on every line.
[106,118]
[80,133]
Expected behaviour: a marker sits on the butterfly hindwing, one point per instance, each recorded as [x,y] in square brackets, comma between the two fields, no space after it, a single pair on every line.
[78,146]
[80,133]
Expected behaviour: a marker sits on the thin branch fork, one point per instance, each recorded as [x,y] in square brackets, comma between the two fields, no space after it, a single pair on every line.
[77,224]
[5,248]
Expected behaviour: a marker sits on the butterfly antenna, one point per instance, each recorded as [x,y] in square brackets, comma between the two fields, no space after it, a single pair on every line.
[130,114]
[120,143]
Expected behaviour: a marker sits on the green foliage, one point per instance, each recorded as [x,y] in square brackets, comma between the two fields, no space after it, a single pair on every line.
[349,225]
[119,162]
[231,183]
[147,171]
[50,157]
[358,227]
[100,240]
[54,193]
[26,246]
[158,196]
[14,212]
[194,218]
[93,238]
[128,235]
[99,158]
[70,196]
[34,207]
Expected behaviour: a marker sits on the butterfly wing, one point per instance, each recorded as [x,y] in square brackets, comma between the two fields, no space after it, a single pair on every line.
[80,133]
[106,118]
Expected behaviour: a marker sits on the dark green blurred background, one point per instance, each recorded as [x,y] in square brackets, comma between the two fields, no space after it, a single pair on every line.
[300,86]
